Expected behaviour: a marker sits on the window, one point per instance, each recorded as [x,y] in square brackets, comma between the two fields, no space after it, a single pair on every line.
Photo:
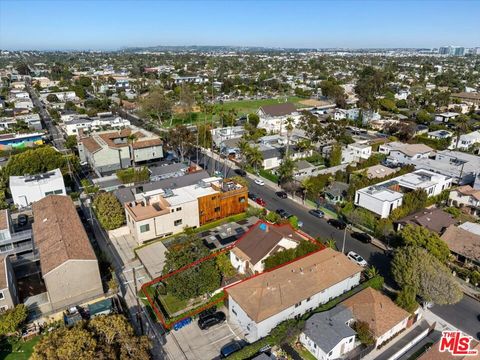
[233,311]
[177,222]
[330,353]
[217,209]
[3,308]
[179,209]
[308,299]
[351,339]
[144,228]
[241,200]
[1,295]
[298,304]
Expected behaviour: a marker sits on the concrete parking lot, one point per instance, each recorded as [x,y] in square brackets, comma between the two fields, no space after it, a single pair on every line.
[205,344]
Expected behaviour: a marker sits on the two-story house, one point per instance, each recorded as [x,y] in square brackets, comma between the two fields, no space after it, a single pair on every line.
[466,197]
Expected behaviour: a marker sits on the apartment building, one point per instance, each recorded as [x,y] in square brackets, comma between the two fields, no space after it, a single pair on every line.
[260,303]
[16,243]
[28,189]
[386,196]
[108,151]
[8,289]
[356,152]
[164,212]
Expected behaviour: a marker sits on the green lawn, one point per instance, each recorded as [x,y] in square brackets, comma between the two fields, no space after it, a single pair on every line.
[242,107]
[13,349]
[172,304]
[304,353]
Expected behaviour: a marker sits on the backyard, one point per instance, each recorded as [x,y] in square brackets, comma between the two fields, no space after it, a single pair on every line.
[16,349]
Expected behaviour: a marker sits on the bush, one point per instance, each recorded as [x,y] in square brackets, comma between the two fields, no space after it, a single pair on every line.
[273,217]
[109,211]
[305,247]
[364,333]
[132,175]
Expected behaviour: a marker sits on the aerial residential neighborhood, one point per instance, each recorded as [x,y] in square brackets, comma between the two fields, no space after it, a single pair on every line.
[239,180]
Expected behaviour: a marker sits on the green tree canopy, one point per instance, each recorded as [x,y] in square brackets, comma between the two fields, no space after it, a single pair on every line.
[419,236]
[335,155]
[12,319]
[109,211]
[416,268]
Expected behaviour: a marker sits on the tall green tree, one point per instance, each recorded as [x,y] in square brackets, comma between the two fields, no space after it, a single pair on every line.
[109,211]
[416,268]
[12,319]
[335,155]
[419,236]
[286,170]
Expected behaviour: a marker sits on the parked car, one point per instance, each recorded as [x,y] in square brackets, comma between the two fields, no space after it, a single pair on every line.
[362,237]
[207,312]
[317,213]
[357,259]
[211,320]
[232,347]
[339,224]
[259,182]
[252,196]
[283,213]
[240,172]
[281,194]
[22,220]
[260,201]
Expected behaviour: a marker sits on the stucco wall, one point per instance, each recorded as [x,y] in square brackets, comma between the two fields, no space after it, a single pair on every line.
[73,282]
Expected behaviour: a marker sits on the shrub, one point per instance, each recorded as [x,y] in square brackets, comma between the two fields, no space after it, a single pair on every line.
[109,211]
[364,333]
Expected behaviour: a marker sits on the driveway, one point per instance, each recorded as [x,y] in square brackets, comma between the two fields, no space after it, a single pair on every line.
[204,344]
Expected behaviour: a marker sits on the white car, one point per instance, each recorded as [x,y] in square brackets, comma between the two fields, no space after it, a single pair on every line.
[259,182]
[357,259]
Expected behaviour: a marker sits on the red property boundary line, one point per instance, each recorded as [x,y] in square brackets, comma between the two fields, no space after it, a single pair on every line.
[169,325]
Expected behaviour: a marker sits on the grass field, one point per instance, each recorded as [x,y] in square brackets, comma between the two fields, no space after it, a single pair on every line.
[304,353]
[242,107]
[13,349]
[172,304]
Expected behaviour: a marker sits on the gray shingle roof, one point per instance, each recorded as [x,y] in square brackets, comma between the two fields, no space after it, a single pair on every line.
[328,328]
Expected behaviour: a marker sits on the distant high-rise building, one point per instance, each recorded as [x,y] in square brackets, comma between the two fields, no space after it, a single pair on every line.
[452,50]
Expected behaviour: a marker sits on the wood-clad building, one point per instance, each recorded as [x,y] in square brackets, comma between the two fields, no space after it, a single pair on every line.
[231,199]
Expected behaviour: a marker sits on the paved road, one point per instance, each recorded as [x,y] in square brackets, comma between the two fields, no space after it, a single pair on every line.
[57,136]
[462,315]
[465,315]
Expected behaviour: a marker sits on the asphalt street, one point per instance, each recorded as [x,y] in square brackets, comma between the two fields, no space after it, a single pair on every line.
[464,315]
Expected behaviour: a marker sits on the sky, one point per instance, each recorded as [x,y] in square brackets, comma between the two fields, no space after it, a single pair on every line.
[110,25]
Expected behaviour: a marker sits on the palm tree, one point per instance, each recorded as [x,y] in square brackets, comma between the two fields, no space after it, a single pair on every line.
[244,148]
[461,126]
[289,128]
[255,157]
[372,272]
[286,169]
[131,140]
[331,244]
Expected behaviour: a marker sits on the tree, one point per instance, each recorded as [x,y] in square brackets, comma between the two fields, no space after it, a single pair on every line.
[335,155]
[66,344]
[315,185]
[186,99]
[388,105]
[109,211]
[181,139]
[52,98]
[12,319]
[426,275]
[286,170]
[225,266]
[331,244]
[71,142]
[88,187]
[424,117]
[196,280]
[253,119]
[39,160]
[281,257]
[131,139]
[204,136]
[156,105]
[364,333]
[419,236]
[106,337]
[406,299]
[461,127]
[254,157]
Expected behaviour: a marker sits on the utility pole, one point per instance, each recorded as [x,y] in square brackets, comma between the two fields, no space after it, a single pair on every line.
[344,238]
[138,312]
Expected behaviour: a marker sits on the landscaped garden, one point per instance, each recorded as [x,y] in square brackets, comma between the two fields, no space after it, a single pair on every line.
[14,348]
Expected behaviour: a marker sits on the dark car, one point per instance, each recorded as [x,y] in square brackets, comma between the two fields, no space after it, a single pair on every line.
[213,319]
[22,220]
[232,347]
[317,213]
[283,213]
[339,224]
[252,196]
[207,312]
[362,237]
[240,172]
[281,194]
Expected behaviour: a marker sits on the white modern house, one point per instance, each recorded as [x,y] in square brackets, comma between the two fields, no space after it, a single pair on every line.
[219,135]
[356,152]
[446,116]
[30,188]
[259,243]
[403,153]
[260,303]
[386,196]
[467,140]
